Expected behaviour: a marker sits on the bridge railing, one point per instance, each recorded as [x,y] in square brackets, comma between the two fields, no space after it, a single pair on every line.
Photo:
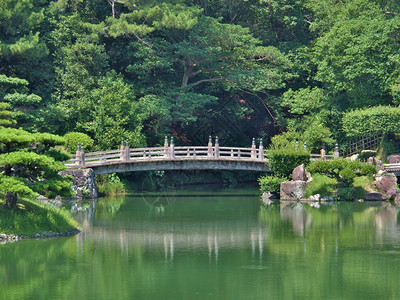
[168,152]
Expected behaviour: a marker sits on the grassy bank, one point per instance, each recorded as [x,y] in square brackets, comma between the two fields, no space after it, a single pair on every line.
[30,218]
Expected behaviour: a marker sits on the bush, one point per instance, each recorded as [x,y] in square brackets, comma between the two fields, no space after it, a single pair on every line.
[271,184]
[73,138]
[110,185]
[283,161]
[321,184]
[373,120]
[344,171]
[365,154]
[390,143]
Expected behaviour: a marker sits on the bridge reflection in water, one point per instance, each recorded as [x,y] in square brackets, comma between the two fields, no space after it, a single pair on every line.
[168,233]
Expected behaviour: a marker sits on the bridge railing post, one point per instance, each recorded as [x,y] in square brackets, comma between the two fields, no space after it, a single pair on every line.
[172,149]
[336,154]
[253,149]
[323,152]
[82,160]
[216,147]
[209,147]
[166,147]
[127,151]
[261,151]
[78,155]
[122,154]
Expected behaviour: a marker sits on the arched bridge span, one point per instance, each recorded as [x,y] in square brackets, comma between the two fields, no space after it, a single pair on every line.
[170,157]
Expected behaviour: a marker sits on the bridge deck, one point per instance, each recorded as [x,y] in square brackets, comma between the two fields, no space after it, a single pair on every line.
[170,157]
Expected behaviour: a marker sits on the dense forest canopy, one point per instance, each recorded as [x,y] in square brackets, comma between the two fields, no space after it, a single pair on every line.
[140,70]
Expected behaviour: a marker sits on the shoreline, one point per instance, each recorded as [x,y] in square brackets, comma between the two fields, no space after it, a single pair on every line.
[12,237]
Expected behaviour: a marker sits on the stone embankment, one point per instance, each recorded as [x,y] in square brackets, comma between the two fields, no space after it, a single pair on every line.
[44,235]
[83,182]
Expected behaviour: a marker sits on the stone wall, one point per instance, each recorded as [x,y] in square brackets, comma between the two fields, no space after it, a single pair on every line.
[83,182]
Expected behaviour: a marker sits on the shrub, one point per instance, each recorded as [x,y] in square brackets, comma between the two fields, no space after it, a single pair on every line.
[283,161]
[321,184]
[390,143]
[344,171]
[73,138]
[365,154]
[110,185]
[373,120]
[271,184]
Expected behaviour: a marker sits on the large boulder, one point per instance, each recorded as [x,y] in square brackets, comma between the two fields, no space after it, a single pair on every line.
[394,159]
[393,194]
[300,173]
[386,182]
[293,190]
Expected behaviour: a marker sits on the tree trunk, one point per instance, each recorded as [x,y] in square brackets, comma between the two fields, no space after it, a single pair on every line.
[11,199]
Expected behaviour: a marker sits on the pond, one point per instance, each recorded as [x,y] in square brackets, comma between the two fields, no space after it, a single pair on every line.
[211,244]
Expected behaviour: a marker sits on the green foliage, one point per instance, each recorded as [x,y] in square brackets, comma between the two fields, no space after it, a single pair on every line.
[55,186]
[370,121]
[343,170]
[20,19]
[357,51]
[29,165]
[57,154]
[390,143]
[365,154]
[271,184]
[16,185]
[304,101]
[73,138]
[11,139]
[31,218]
[5,115]
[283,161]
[321,184]
[110,185]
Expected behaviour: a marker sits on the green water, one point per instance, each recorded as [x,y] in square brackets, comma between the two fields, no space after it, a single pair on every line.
[211,245]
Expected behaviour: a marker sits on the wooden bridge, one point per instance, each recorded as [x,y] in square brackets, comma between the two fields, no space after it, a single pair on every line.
[171,157]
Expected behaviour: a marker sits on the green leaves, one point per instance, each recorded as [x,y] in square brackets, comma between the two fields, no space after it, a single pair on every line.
[341,169]
[370,121]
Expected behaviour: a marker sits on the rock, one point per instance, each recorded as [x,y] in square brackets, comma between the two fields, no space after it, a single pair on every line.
[392,194]
[3,236]
[375,197]
[299,173]
[79,193]
[41,197]
[293,190]
[327,198]
[394,159]
[309,177]
[266,198]
[354,157]
[385,183]
[316,197]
